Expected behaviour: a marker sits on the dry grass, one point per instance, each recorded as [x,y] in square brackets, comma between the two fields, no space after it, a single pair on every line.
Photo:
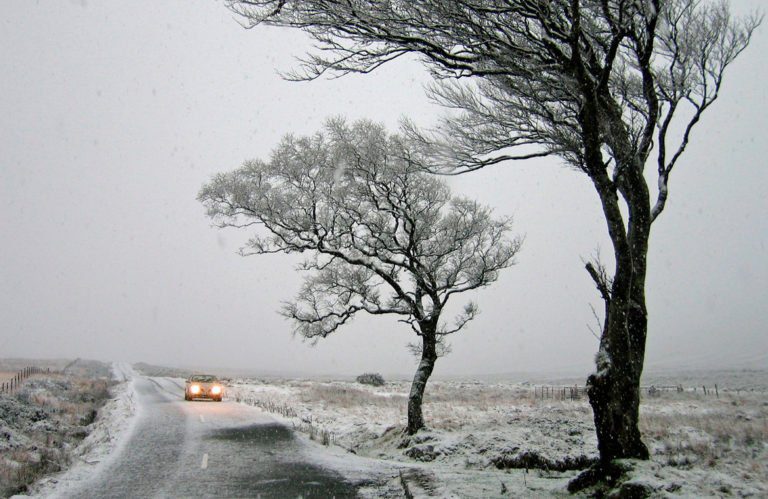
[345,396]
[473,396]
[62,406]
[24,466]
[447,405]
[730,431]
[476,394]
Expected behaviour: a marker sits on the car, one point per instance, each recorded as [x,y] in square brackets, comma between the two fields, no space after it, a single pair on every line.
[203,386]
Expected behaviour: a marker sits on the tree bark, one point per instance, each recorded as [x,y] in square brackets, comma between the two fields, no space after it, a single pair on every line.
[614,393]
[614,389]
[423,372]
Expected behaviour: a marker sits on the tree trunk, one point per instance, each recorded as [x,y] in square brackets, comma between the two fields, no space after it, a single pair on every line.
[423,372]
[614,393]
[614,389]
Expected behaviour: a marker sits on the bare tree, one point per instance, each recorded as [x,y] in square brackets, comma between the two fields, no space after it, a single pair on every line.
[384,237]
[609,86]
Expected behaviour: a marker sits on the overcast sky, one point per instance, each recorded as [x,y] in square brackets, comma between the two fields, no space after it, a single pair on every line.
[113,115]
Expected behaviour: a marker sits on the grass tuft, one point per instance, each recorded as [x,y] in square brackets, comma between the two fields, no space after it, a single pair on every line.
[46,418]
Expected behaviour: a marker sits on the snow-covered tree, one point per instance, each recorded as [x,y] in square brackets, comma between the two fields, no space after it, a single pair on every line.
[612,87]
[383,236]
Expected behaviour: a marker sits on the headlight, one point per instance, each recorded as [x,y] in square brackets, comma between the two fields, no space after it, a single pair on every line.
[216,390]
[194,389]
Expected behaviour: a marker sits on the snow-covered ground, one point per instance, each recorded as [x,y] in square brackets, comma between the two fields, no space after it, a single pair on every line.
[497,440]
[485,439]
[106,435]
[54,420]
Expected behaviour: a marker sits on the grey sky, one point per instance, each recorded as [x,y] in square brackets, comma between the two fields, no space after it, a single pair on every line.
[114,115]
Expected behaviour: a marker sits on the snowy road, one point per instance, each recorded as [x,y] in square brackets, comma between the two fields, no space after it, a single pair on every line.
[207,449]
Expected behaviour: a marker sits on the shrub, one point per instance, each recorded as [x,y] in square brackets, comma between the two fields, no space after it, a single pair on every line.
[374,379]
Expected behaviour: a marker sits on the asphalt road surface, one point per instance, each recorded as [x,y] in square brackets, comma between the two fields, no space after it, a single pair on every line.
[208,449]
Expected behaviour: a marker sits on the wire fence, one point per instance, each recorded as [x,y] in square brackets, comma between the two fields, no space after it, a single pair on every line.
[15,382]
[577,392]
[574,392]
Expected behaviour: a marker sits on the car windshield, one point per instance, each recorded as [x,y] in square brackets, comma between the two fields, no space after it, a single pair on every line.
[203,378]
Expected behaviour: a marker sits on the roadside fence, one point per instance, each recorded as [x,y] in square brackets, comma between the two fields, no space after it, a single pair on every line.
[14,383]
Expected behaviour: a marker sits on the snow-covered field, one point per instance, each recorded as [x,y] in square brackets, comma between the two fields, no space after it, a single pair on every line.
[43,424]
[498,440]
[485,439]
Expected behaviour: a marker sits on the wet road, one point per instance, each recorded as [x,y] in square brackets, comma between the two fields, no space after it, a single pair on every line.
[208,449]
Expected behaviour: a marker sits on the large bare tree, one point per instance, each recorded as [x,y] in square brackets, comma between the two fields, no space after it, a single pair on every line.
[612,87]
[384,236]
